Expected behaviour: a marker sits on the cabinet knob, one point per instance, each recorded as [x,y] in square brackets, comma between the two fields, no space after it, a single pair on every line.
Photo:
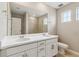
[41,49]
[41,43]
[4,11]
[25,55]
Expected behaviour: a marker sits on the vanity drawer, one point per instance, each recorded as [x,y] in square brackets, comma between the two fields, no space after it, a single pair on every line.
[32,45]
[28,53]
[18,49]
[41,43]
[51,41]
[17,55]
[41,51]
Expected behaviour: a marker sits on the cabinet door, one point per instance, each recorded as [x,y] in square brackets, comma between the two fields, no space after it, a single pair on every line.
[51,48]
[28,53]
[14,50]
[17,55]
[41,43]
[3,19]
[31,53]
[41,51]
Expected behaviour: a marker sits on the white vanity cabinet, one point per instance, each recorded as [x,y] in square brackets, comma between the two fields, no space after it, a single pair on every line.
[51,47]
[41,48]
[31,53]
[29,48]
[41,51]
[21,54]
[27,53]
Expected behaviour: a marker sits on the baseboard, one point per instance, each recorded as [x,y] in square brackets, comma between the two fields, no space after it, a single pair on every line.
[73,52]
[70,53]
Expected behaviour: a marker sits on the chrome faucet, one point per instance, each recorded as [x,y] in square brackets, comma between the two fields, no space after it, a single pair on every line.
[43,34]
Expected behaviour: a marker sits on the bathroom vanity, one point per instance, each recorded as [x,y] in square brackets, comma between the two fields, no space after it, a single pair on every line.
[15,43]
[29,45]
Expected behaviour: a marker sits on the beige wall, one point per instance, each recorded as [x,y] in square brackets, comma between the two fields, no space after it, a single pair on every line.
[32,24]
[69,31]
[52,21]
[41,26]
[25,23]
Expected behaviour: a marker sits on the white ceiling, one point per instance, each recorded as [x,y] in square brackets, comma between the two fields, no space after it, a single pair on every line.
[55,4]
[18,9]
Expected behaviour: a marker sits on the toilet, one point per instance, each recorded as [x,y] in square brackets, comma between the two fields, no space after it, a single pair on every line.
[62,47]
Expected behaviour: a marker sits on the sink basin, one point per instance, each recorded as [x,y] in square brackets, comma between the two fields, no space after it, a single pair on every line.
[23,39]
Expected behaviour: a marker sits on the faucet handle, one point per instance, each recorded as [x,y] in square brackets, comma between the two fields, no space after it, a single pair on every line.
[21,36]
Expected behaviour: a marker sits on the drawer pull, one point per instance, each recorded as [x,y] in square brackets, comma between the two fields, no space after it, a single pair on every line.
[52,47]
[41,43]
[25,55]
[41,49]
[4,11]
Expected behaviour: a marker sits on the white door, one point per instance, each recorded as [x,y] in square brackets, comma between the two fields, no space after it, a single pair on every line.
[3,19]
[16,26]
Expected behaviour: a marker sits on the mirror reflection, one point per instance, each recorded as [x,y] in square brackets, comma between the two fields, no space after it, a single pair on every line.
[26,20]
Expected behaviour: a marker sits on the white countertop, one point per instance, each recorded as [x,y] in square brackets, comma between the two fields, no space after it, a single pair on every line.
[11,42]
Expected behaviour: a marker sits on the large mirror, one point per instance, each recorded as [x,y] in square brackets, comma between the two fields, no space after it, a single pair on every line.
[26,20]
